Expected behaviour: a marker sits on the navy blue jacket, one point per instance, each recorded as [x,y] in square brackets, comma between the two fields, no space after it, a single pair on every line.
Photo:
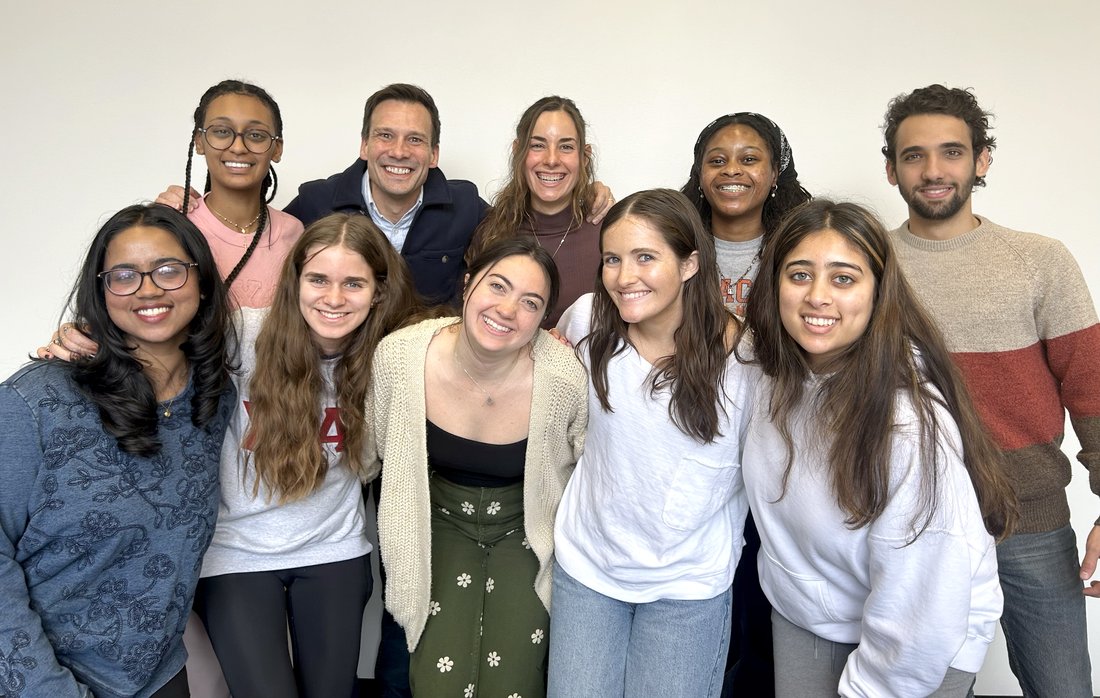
[439,235]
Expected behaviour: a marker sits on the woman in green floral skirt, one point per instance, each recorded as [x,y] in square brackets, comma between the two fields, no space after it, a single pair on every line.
[479,422]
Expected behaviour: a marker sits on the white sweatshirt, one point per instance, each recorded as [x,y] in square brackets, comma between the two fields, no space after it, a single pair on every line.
[254,534]
[651,513]
[914,609]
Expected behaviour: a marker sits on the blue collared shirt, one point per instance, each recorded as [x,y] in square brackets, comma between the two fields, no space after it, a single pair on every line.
[395,231]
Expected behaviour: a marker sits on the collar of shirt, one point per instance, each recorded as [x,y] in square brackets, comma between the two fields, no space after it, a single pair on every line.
[397,231]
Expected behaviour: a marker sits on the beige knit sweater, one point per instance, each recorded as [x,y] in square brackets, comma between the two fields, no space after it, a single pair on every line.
[559,417]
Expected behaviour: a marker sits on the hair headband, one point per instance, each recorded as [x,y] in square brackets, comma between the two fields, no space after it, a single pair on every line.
[784,146]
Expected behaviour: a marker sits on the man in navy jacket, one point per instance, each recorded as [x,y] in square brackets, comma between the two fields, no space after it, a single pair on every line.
[396,181]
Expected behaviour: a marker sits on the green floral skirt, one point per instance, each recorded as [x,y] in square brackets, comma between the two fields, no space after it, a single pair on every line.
[487,631]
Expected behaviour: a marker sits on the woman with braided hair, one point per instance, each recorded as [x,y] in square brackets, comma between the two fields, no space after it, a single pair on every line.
[239,131]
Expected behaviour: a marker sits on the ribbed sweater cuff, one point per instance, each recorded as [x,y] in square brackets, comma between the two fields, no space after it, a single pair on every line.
[1044,514]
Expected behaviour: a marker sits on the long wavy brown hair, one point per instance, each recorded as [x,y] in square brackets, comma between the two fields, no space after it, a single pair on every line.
[288,384]
[901,350]
[512,205]
[695,373]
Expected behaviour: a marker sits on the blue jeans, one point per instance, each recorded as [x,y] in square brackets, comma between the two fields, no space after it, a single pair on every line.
[1044,614]
[604,648]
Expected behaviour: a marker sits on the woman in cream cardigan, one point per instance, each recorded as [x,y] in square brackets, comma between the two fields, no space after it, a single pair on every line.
[479,422]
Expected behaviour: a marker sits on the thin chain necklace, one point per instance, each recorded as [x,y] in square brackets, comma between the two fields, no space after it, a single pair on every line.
[561,242]
[167,412]
[242,229]
[166,405]
[489,401]
[752,262]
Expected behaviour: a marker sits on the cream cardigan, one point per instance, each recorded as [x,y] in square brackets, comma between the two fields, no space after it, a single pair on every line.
[559,417]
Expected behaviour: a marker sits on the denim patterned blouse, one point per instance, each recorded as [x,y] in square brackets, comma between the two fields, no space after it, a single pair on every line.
[101,549]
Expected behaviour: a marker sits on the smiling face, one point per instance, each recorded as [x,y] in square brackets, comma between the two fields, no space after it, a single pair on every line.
[154,320]
[554,161]
[826,295]
[236,167]
[643,275]
[737,173]
[399,152]
[335,292]
[504,305]
[936,167]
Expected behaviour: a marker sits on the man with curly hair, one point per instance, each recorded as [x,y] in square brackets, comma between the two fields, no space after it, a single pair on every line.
[1022,327]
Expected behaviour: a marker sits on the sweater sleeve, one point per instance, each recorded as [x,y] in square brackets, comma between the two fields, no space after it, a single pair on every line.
[28,666]
[923,595]
[1066,319]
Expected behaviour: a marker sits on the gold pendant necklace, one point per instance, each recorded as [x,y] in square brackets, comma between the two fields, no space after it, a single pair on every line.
[242,229]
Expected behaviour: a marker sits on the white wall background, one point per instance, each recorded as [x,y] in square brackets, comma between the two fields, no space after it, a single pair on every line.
[98,100]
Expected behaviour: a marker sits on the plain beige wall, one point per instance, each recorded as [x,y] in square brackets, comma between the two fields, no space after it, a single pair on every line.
[98,101]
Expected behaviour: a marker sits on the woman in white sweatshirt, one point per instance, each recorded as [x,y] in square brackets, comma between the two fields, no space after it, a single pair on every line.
[874,487]
[650,526]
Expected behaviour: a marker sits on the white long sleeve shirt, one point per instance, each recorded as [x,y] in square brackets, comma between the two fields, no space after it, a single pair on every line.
[651,513]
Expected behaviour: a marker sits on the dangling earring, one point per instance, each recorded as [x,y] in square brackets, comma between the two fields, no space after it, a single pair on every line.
[775,188]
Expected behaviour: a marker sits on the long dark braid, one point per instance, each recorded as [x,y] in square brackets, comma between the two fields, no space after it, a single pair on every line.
[271,181]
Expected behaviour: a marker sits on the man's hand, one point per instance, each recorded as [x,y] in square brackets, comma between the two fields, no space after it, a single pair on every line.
[1088,562]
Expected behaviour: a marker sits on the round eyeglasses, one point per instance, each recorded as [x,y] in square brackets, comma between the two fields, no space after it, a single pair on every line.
[166,277]
[256,140]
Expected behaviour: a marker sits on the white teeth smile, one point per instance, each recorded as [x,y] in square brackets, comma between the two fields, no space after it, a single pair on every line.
[550,177]
[398,170]
[733,187]
[238,165]
[152,312]
[495,326]
[632,295]
[331,315]
[819,321]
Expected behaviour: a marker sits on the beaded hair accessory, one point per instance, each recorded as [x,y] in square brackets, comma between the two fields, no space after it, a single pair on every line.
[784,146]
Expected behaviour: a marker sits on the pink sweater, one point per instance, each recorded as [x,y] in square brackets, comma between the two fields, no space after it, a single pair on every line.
[255,285]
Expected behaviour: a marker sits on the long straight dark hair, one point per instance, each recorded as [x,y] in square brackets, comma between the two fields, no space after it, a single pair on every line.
[901,350]
[695,372]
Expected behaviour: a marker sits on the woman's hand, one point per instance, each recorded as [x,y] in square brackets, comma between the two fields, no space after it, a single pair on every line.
[174,197]
[68,344]
[556,334]
[600,201]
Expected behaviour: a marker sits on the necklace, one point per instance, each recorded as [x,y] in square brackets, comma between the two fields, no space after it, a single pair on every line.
[242,229]
[489,402]
[166,405]
[752,263]
[560,242]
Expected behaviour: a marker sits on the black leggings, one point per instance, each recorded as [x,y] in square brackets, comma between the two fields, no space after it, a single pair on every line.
[176,688]
[247,615]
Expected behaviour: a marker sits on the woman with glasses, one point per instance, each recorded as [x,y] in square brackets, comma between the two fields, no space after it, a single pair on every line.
[110,470]
[743,182]
[239,130]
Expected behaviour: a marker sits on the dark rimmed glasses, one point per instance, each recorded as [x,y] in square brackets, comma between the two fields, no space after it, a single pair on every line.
[256,140]
[166,277]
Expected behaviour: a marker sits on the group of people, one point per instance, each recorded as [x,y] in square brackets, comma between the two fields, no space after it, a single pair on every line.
[559,513]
